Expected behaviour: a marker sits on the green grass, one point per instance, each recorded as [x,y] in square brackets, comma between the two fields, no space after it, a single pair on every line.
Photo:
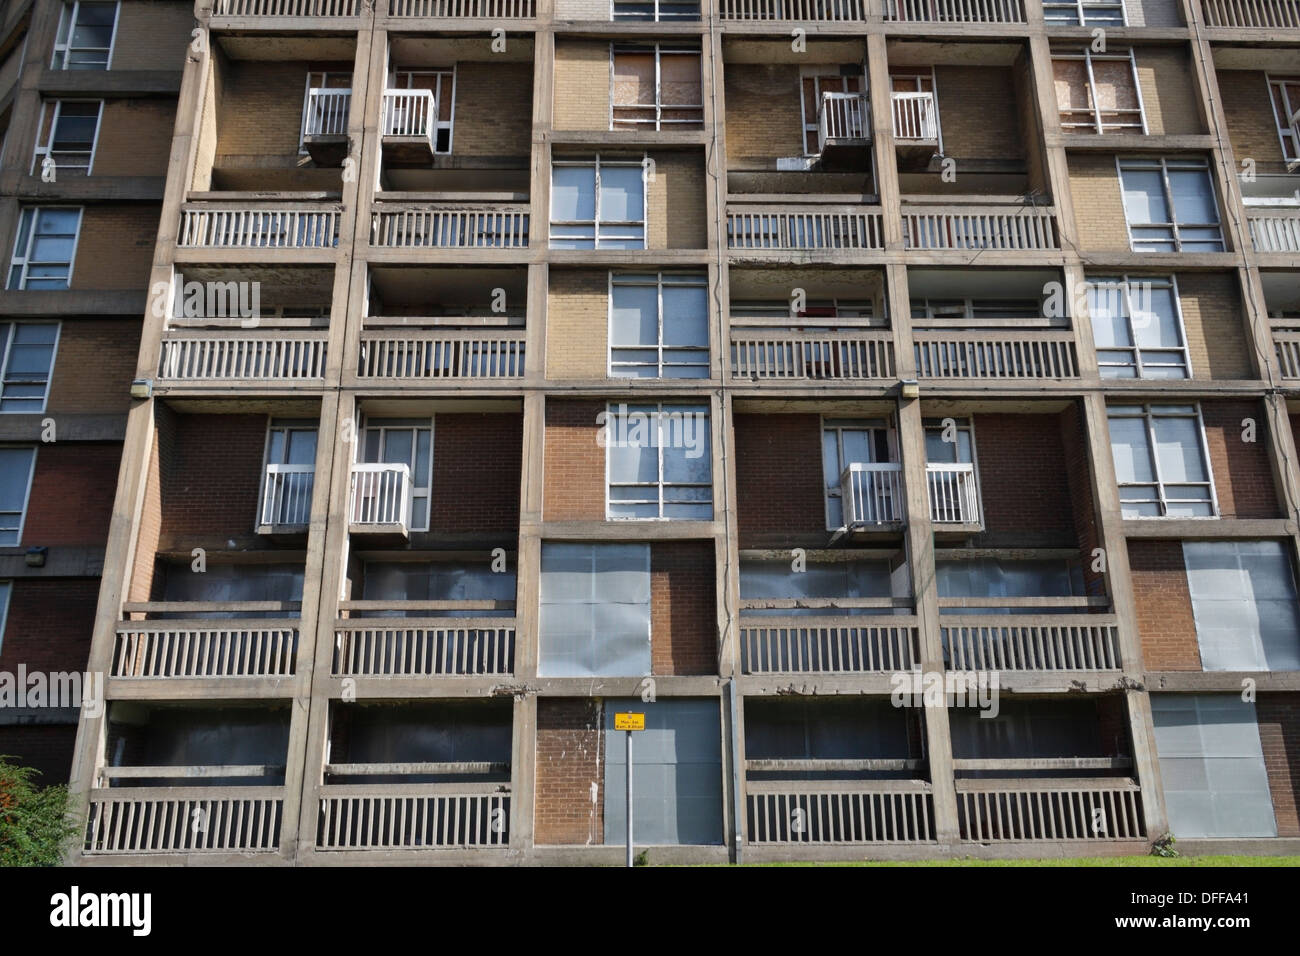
[1119,861]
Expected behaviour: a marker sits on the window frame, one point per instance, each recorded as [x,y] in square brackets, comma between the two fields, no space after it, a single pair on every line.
[1125,281]
[382,425]
[685,280]
[6,595]
[638,126]
[1100,127]
[47,149]
[285,425]
[441,73]
[661,408]
[1277,89]
[597,163]
[1081,18]
[656,6]
[1162,164]
[1162,500]
[27,494]
[839,426]
[59,61]
[6,352]
[28,219]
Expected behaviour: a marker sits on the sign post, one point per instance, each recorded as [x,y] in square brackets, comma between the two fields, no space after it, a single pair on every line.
[629,723]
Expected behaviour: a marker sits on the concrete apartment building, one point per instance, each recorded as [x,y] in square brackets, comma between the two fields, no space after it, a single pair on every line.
[87,107]
[965,334]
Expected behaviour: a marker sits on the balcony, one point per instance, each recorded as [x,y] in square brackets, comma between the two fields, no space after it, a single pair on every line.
[872,493]
[1011,811]
[398,817]
[430,647]
[1006,227]
[286,9]
[802,11]
[954,11]
[325,133]
[916,125]
[434,353]
[1016,642]
[844,130]
[954,496]
[1275,230]
[1253,14]
[784,355]
[832,812]
[380,499]
[449,225]
[409,125]
[239,226]
[146,820]
[203,648]
[995,354]
[230,357]
[286,499]
[463,9]
[803,227]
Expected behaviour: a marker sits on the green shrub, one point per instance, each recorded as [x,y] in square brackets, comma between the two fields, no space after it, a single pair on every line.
[34,821]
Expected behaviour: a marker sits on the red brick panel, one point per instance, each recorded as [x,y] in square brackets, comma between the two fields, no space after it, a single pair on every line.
[574,462]
[1078,472]
[49,624]
[150,517]
[1164,606]
[1243,478]
[779,486]
[94,366]
[1023,480]
[570,741]
[683,611]
[47,747]
[1279,735]
[476,466]
[212,478]
[71,501]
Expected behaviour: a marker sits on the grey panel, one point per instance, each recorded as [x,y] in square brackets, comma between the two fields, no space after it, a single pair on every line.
[594,611]
[1244,602]
[677,773]
[233,582]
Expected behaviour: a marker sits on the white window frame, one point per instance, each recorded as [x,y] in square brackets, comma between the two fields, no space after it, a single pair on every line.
[657,280]
[1125,283]
[657,8]
[1080,12]
[818,73]
[1277,89]
[6,353]
[61,50]
[417,490]
[285,425]
[47,149]
[442,73]
[27,495]
[903,74]
[833,490]
[324,76]
[1163,164]
[22,258]
[1162,500]
[6,595]
[660,124]
[661,409]
[597,163]
[1099,126]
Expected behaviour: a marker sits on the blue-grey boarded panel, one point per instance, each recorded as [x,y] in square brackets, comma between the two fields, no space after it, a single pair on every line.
[594,616]
[1244,602]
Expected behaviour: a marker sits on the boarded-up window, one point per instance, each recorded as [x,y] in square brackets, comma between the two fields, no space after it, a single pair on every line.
[1097,93]
[1244,601]
[595,610]
[656,87]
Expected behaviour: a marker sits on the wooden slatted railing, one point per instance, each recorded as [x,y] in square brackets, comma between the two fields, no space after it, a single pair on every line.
[828,645]
[435,647]
[179,649]
[1010,642]
[780,354]
[1009,811]
[1004,228]
[195,355]
[995,355]
[436,353]
[449,226]
[834,812]
[413,817]
[183,820]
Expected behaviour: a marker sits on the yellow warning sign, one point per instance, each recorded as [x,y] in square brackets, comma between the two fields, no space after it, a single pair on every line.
[629,721]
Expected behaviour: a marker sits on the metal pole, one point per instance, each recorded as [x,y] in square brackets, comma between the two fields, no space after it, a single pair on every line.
[629,798]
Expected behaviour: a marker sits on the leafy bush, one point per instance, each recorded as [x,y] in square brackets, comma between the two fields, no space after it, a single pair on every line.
[34,821]
[1164,846]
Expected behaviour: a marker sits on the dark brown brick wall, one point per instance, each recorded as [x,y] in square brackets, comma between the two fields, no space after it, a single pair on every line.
[683,612]
[1022,470]
[115,247]
[72,494]
[212,477]
[1243,479]
[476,467]
[1279,735]
[47,747]
[779,475]
[570,760]
[1164,606]
[574,463]
[94,366]
[49,624]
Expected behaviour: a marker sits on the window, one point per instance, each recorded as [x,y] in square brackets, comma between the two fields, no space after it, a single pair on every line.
[816,81]
[598,204]
[1285,95]
[26,363]
[1009,578]
[866,578]
[441,82]
[17,464]
[594,613]
[44,248]
[949,441]
[1098,92]
[1170,205]
[1244,603]
[1138,327]
[409,443]
[85,37]
[290,473]
[6,588]
[67,136]
[325,113]
[655,87]
[659,326]
[933,314]
[655,10]
[1083,13]
[658,462]
[846,443]
[1160,461]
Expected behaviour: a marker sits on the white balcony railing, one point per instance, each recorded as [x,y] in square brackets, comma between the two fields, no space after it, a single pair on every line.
[286,495]
[327,112]
[835,812]
[1275,231]
[381,495]
[224,356]
[1013,642]
[459,9]
[1004,227]
[995,355]
[803,227]
[803,11]
[1007,811]
[844,118]
[872,493]
[954,499]
[410,113]
[405,647]
[784,355]
[179,649]
[163,820]
[287,8]
[458,226]
[413,816]
[224,226]
[486,353]
[1253,14]
[1287,344]
[839,645]
[955,11]
[916,118]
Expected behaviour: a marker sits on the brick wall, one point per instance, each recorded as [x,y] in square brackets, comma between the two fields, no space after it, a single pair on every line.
[1169,97]
[1252,128]
[779,486]
[94,366]
[764,118]
[494,109]
[135,137]
[476,467]
[581,84]
[1212,317]
[1078,473]
[71,502]
[675,203]
[261,106]
[1154,13]
[581,9]
[570,771]
[683,611]
[1278,716]
[1243,478]
[149,519]
[115,247]
[1022,473]
[577,325]
[977,112]
[47,747]
[574,463]
[1164,606]
[152,35]
[1098,204]
[212,477]
[49,624]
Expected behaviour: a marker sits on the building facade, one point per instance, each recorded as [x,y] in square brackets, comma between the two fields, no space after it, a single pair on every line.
[889,400]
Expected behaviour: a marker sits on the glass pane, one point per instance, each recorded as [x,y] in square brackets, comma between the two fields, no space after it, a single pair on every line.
[1155,319]
[1178,449]
[573,193]
[1193,200]
[1144,196]
[634,316]
[302,447]
[15,471]
[686,313]
[621,194]
[1128,445]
